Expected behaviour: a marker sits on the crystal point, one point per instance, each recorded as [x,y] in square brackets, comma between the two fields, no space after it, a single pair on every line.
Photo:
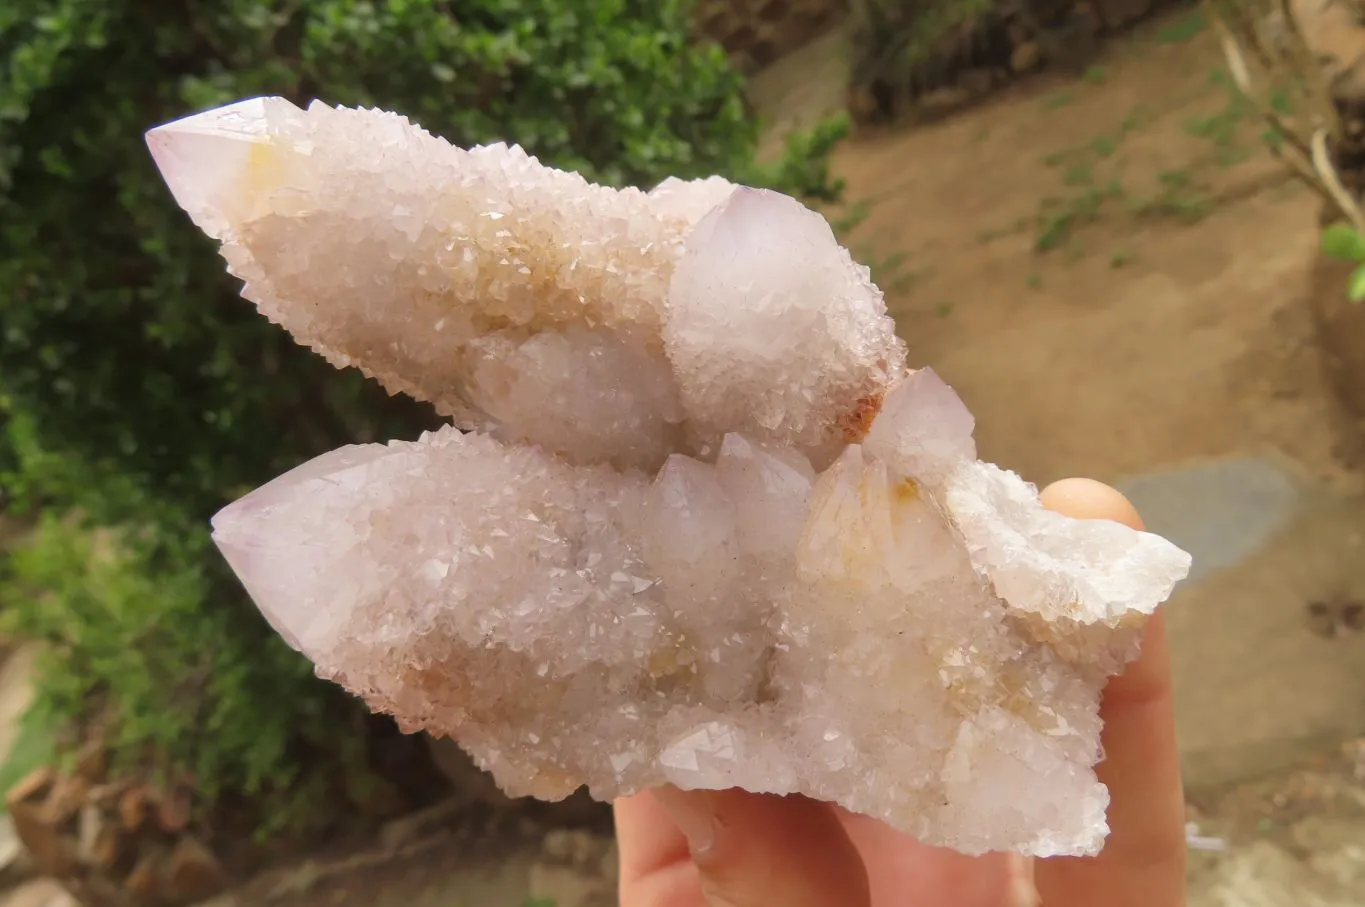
[696,523]
[206,156]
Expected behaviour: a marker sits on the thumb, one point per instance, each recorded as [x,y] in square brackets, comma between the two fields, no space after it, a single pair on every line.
[756,850]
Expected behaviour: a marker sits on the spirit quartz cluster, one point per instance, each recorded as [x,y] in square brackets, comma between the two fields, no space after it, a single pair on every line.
[694,520]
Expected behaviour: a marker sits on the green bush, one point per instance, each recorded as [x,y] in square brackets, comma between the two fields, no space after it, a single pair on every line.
[139,391]
[127,634]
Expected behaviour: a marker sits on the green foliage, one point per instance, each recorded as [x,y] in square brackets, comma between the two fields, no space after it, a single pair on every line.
[137,389]
[35,745]
[804,168]
[1345,243]
[129,641]
[1184,29]
[1355,287]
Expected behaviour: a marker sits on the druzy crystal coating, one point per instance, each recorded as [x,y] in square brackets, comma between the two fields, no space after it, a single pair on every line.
[694,520]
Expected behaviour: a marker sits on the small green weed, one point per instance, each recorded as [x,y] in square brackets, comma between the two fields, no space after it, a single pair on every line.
[1079,175]
[1059,218]
[1345,243]
[1186,206]
[1220,128]
[991,234]
[1177,197]
[1104,145]
[1187,29]
[850,216]
[1173,179]
[1136,118]
[1281,102]
[889,271]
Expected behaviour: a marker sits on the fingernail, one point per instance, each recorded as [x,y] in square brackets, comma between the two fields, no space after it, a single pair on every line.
[692,812]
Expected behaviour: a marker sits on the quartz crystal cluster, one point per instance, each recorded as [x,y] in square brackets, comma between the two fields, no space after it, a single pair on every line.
[694,520]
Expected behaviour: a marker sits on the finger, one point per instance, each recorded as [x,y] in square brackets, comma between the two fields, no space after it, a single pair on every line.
[1143,861]
[902,872]
[735,849]
[655,868]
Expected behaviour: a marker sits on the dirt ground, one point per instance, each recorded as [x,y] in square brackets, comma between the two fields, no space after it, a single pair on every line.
[1107,270]
[1111,271]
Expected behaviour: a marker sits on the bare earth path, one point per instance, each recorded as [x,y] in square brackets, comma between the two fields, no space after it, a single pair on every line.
[1111,271]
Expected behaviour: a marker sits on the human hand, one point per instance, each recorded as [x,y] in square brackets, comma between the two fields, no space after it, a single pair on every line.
[750,850]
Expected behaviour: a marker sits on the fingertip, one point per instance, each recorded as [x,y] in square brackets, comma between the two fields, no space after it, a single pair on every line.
[649,845]
[1087,499]
[752,850]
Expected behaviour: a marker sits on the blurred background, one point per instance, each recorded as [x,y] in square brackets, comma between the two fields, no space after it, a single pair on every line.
[1125,230]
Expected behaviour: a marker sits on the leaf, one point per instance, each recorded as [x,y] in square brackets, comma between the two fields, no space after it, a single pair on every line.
[1355,290]
[1343,242]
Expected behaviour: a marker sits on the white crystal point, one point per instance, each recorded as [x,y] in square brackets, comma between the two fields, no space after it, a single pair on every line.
[924,426]
[275,569]
[774,331]
[708,530]
[206,157]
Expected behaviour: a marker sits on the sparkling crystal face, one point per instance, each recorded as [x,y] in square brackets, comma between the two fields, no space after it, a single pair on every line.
[698,522]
